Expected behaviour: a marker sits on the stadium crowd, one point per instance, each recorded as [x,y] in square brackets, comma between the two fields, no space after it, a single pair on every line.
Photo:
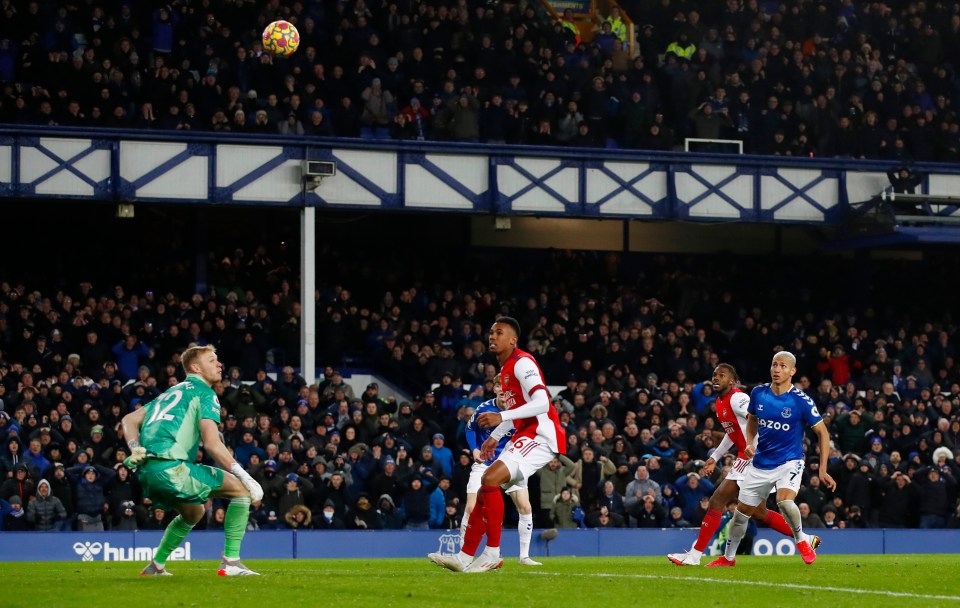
[630,345]
[790,77]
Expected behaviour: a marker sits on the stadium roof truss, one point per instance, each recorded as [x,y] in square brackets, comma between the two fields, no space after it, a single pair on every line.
[146,166]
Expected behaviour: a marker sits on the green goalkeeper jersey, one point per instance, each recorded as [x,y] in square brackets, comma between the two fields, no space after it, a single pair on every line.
[171,426]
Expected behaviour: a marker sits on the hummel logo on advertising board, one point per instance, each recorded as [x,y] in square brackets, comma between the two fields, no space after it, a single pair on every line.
[88,550]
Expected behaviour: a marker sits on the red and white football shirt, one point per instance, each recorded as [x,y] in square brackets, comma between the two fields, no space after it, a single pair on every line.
[732,414]
[521,378]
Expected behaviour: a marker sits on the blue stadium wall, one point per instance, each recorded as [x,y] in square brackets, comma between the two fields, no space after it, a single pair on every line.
[288,544]
[189,168]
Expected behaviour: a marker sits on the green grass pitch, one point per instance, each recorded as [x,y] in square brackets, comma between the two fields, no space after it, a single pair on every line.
[832,582]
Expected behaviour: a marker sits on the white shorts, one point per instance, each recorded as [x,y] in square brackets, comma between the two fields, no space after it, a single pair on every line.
[524,457]
[739,469]
[476,473]
[757,484]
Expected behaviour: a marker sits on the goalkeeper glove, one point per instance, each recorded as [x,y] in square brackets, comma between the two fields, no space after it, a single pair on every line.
[256,492]
[137,457]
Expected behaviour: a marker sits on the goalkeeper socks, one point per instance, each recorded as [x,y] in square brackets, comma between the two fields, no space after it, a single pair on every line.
[493,506]
[791,513]
[738,527]
[778,523]
[235,526]
[525,528]
[709,527]
[172,537]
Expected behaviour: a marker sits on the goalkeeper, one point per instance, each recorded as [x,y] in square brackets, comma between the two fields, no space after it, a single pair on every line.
[164,438]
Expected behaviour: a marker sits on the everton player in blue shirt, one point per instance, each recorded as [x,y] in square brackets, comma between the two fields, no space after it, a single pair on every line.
[780,414]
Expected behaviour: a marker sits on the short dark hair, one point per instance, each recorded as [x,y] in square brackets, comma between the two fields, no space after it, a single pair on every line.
[731,369]
[513,323]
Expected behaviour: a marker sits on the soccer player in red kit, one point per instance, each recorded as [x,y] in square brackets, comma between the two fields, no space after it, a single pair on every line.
[731,408]
[537,439]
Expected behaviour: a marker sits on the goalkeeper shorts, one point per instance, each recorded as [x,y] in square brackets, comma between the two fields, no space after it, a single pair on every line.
[168,483]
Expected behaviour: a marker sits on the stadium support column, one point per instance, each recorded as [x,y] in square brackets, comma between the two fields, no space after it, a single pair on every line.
[308,283]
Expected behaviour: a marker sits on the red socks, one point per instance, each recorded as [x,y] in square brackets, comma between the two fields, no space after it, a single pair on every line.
[709,527]
[493,505]
[778,523]
[476,526]
[486,518]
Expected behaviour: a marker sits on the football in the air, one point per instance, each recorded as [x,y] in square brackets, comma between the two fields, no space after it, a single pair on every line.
[281,38]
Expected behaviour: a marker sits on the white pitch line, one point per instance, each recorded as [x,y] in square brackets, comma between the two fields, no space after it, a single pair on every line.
[922,596]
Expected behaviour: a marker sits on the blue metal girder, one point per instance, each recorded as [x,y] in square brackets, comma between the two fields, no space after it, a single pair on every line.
[227,192]
[389,200]
[684,209]
[128,189]
[419,158]
[797,192]
[100,189]
[505,203]
[629,185]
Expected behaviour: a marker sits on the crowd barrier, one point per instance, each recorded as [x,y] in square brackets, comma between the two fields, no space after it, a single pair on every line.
[287,544]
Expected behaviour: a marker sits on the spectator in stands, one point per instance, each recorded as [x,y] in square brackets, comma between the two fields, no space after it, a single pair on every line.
[708,124]
[18,484]
[90,482]
[129,352]
[553,479]
[690,488]
[388,515]
[330,518]
[13,515]
[12,454]
[377,105]
[45,512]
[462,120]
[416,498]
[938,494]
[808,518]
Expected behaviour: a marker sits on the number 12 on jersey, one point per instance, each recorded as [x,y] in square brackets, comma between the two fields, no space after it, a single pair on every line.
[164,405]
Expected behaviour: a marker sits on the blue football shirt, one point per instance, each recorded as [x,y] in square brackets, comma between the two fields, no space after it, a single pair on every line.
[782,421]
[476,436]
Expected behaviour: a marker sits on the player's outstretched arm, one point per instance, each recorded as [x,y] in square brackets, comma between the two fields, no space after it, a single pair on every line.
[210,434]
[824,435]
[711,463]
